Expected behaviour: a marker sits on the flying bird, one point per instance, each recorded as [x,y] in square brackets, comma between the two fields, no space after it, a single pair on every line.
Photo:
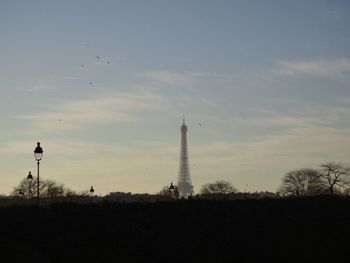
[97,57]
[200,124]
[82,65]
[108,62]
[91,83]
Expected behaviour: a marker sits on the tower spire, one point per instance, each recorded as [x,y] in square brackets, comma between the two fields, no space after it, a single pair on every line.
[183,118]
[184,183]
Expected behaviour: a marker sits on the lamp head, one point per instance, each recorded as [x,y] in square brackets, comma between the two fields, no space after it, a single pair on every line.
[38,152]
[30,177]
[171,187]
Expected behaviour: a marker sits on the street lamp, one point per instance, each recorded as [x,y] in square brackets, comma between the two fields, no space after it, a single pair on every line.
[171,189]
[38,154]
[30,180]
[92,191]
[21,192]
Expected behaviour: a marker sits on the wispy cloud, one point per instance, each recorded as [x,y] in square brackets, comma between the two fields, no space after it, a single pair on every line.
[107,108]
[38,88]
[263,161]
[170,78]
[70,78]
[317,67]
[207,74]
[186,78]
[308,117]
[58,147]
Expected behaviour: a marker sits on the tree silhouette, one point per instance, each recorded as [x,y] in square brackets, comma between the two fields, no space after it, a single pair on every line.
[168,192]
[218,187]
[302,182]
[52,189]
[335,175]
[47,188]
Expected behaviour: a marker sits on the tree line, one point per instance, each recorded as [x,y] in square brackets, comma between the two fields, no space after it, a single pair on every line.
[330,178]
[47,189]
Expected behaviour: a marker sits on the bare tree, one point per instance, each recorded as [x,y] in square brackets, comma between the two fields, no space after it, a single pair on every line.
[346,192]
[302,182]
[47,188]
[218,187]
[52,189]
[27,189]
[335,175]
[169,192]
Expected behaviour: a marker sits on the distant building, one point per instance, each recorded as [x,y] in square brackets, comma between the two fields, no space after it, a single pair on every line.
[129,197]
[2,196]
[239,196]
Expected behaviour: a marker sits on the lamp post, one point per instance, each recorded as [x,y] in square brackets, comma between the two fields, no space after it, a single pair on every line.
[21,192]
[38,154]
[171,189]
[30,180]
[92,191]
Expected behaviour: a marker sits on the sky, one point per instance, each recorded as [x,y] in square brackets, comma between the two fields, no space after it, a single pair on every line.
[103,85]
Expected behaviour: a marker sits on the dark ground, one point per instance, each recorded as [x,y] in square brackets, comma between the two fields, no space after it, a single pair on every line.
[294,230]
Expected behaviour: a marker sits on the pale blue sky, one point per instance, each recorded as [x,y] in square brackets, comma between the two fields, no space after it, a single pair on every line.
[268,81]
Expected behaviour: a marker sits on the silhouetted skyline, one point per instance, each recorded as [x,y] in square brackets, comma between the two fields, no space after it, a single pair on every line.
[103,85]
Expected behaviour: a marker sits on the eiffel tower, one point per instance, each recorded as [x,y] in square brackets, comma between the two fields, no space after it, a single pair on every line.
[184,183]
